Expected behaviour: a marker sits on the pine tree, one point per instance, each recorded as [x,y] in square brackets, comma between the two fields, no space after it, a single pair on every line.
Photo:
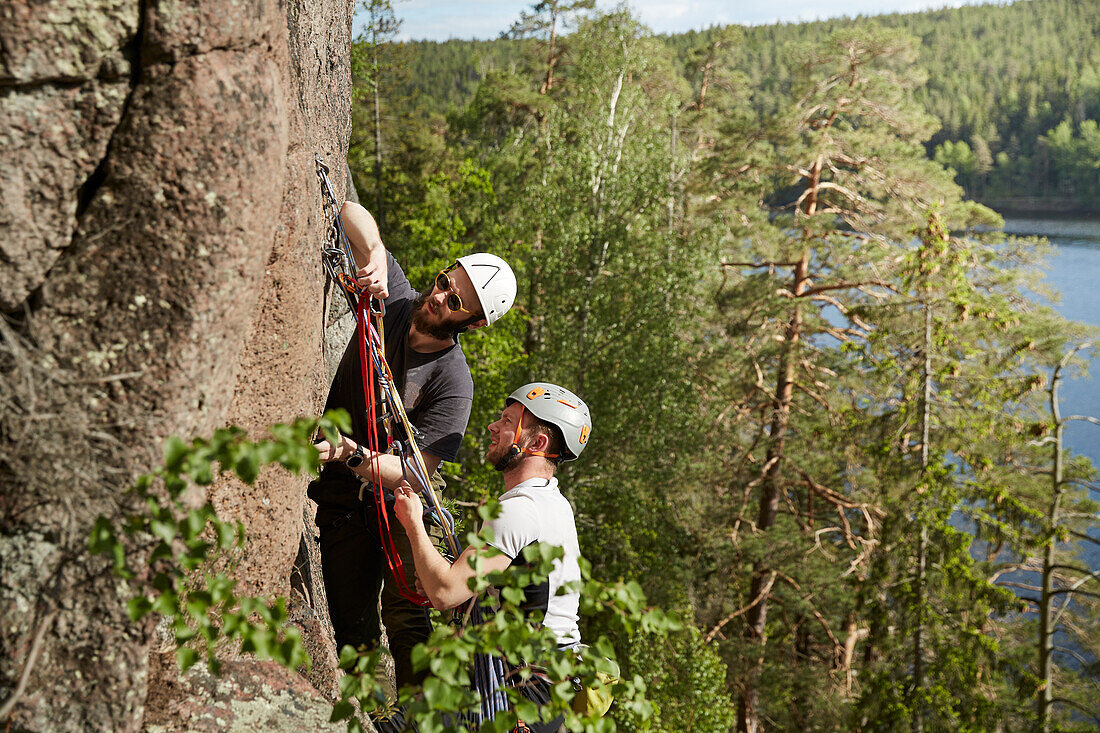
[841,178]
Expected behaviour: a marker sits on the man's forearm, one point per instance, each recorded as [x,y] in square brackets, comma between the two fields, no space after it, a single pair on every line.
[433,570]
[362,231]
[390,467]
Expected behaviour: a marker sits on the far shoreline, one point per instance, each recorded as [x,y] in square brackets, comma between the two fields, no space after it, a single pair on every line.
[1038,208]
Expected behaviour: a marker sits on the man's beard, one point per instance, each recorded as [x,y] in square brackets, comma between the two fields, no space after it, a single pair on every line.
[420,317]
[508,456]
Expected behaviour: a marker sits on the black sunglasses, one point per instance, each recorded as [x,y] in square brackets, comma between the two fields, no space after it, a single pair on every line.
[443,282]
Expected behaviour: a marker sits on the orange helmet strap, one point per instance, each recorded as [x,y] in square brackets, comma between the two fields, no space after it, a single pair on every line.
[519,430]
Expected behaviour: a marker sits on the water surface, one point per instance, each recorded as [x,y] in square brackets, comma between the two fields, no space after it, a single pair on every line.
[1075,273]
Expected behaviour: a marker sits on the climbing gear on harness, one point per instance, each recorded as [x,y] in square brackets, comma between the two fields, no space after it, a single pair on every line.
[383,403]
[488,674]
[336,255]
[559,407]
[494,282]
[374,364]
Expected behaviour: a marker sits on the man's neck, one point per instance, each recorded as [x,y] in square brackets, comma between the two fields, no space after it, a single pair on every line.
[530,467]
[426,343]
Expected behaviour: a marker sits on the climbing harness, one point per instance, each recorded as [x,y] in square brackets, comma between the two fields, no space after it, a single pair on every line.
[488,675]
[380,390]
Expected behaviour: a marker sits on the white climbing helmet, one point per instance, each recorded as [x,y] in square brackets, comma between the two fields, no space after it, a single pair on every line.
[562,409]
[494,282]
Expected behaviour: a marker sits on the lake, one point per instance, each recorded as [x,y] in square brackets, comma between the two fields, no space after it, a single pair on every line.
[1075,273]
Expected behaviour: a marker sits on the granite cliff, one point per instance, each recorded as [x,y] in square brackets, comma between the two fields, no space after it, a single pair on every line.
[160,220]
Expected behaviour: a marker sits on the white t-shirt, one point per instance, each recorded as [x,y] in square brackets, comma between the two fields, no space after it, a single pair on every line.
[535,511]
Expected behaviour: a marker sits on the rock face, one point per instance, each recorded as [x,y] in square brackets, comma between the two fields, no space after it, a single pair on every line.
[160,222]
[244,697]
[65,76]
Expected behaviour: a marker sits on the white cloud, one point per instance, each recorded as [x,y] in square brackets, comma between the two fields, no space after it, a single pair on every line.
[438,21]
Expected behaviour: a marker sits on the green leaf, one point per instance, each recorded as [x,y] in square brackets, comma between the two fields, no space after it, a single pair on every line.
[102,537]
[342,710]
[175,485]
[248,466]
[137,607]
[420,657]
[338,419]
[348,655]
[175,451]
[193,524]
[514,596]
[165,529]
[202,472]
[227,535]
[165,604]
[185,633]
[186,657]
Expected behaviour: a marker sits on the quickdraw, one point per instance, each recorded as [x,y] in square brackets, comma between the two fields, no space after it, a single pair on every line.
[379,388]
[336,255]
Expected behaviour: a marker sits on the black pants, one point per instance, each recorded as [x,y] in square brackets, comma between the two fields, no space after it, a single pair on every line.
[355,570]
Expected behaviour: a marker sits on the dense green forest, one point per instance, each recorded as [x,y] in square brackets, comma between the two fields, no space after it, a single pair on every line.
[826,420]
[1015,87]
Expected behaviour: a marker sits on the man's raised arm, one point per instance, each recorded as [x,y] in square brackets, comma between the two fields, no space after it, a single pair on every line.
[367,248]
[445,585]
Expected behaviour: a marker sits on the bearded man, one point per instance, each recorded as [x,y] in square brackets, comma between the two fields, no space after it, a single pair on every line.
[541,426]
[430,373]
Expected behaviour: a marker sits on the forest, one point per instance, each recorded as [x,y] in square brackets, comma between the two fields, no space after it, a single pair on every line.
[827,426]
[1016,89]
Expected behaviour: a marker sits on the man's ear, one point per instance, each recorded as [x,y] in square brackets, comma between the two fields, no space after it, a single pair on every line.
[477,324]
[540,442]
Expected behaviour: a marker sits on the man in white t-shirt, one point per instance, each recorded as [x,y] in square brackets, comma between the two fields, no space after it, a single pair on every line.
[541,426]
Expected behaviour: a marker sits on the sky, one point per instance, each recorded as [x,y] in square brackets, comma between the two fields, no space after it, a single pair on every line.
[441,20]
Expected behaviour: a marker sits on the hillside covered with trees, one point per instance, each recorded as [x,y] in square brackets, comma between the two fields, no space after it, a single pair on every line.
[826,421]
[1015,87]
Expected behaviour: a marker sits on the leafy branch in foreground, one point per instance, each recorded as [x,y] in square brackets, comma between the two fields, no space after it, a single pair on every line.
[176,545]
[176,554]
[526,648]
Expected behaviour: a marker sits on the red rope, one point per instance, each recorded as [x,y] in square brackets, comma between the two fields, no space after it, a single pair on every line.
[385,533]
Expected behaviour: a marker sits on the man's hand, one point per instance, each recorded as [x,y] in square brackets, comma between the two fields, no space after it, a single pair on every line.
[408,507]
[328,452]
[366,248]
[374,278]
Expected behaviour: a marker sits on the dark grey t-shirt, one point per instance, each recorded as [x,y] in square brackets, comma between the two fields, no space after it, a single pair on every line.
[436,388]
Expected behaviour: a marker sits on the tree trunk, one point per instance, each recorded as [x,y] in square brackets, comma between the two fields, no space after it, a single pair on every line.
[757,616]
[1045,697]
[551,59]
[609,153]
[916,702]
[532,341]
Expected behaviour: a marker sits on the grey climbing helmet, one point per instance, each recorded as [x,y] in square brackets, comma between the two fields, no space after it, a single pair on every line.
[561,408]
